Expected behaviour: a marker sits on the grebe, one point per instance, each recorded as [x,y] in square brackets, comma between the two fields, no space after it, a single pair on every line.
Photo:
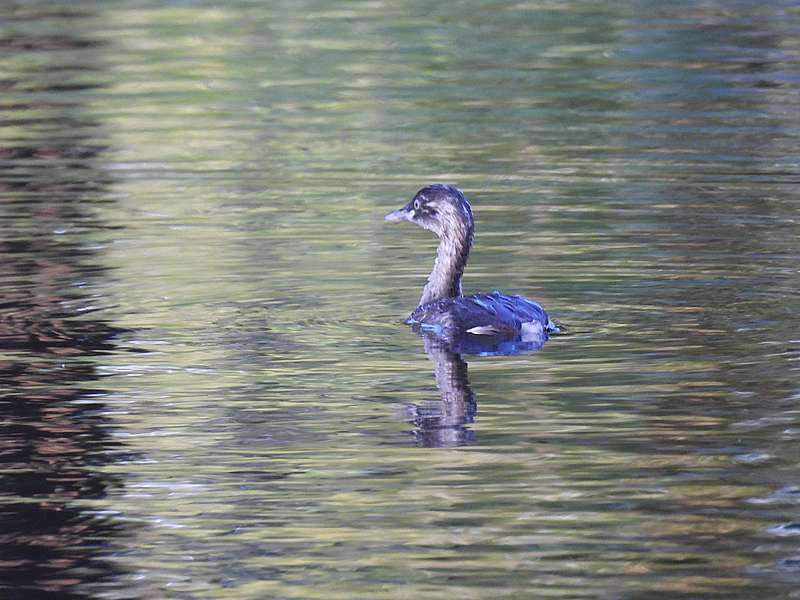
[443,308]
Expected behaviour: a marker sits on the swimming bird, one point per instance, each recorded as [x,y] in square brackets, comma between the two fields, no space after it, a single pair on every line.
[443,308]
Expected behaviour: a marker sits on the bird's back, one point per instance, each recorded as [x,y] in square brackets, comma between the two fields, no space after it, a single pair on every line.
[484,314]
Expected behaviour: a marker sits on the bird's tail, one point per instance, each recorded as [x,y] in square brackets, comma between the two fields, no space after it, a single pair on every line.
[553,327]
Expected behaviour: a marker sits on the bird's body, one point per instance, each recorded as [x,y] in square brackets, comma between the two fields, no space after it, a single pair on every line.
[492,314]
[443,308]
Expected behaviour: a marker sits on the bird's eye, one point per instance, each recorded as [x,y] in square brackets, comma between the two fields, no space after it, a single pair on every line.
[416,204]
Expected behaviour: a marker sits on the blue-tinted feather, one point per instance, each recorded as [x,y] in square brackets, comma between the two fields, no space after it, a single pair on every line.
[493,313]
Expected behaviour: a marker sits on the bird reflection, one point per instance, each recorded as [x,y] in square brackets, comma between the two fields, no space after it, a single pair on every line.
[445,423]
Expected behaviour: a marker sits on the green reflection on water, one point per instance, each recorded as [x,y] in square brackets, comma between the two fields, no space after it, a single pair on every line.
[626,172]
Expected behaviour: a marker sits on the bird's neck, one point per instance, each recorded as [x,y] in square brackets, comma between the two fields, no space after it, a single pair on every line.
[451,258]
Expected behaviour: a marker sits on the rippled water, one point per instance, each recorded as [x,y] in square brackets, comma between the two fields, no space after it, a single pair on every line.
[208,391]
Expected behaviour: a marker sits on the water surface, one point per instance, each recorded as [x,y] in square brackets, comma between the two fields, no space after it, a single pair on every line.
[208,391]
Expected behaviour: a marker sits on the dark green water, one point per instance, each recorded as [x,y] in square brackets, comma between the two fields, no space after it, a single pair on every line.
[207,388]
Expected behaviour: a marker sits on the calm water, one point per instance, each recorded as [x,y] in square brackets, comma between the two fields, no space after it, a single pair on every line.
[207,388]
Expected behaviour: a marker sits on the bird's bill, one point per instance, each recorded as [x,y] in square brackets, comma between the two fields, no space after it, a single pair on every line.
[401,214]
